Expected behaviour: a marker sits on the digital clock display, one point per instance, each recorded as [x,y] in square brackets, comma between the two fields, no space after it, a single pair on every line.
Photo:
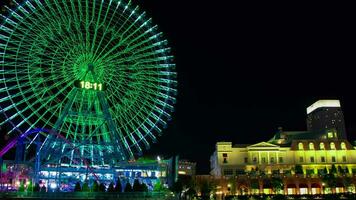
[87,85]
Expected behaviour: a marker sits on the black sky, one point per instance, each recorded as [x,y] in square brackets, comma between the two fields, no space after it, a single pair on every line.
[246,69]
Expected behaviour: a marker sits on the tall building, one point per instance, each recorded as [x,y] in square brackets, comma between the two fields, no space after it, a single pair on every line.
[325,116]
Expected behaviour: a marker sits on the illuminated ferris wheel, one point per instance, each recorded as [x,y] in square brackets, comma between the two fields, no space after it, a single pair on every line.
[97,72]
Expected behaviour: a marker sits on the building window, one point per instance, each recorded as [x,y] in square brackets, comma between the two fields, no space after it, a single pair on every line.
[322,159]
[311,146]
[228,172]
[225,160]
[246,160]
[301,159]
[300,146]
[322,146]
[343,158]
[254,159]
[272,160]
[224,155]
[312,159]
[333,159]
[343,146]
[263,160]
[332,146]
[281,159]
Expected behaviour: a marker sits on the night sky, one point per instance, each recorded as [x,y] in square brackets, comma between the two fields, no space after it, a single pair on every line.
[246,69]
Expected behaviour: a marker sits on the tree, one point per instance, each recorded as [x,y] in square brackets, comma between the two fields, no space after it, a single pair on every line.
[118,186]
[205,189]
[95,187]
[30,187]
[330,180]
[86,187]
[333,169]
[158,186]
[277,184]
[43,188]
[37,187]
[128,187]
[177,187]
[298,169]
[255,184]
[144,187]
[22,187]
[102,187]
[136,186]
[111,187]
[77,187]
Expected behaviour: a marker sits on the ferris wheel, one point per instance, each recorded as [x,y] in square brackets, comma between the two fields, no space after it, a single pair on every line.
[97,72]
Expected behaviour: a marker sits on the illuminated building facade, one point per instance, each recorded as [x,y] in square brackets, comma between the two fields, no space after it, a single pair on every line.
[325,116]
[148,171]
[300,160]
[186,168]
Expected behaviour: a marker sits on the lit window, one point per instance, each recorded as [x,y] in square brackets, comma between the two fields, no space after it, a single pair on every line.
[330,134]
[300,146]
[332,146]
[322,146]
[311,146]
[343,146]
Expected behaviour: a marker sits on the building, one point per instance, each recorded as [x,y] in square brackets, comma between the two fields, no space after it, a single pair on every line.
[299,160]
[186,168]
[326,116]
[148,171]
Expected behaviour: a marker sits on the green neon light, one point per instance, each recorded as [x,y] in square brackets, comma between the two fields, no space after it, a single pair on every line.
[46,48]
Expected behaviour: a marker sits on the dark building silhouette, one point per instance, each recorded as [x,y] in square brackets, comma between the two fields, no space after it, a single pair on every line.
[326,117]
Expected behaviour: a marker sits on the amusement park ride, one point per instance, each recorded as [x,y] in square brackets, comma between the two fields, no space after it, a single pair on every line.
[84,84]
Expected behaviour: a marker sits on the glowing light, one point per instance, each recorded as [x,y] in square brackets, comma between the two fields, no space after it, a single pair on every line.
[323,104]
[53,185]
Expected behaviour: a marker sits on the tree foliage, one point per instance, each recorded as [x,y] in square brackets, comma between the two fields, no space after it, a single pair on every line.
[102,187]
[77,187]
[118,186]
[128,187]
[136,186]
[86,187]
[111,187]
[95,187]
[298,169]
[277,184]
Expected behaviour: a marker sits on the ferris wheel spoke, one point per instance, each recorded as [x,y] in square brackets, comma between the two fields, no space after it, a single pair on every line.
[47,45]
[27,108]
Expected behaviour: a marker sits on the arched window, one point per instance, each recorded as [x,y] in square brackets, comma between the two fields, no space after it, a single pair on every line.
[311,146]
[343,146]
[300,146]
[332,146]
[322,146]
